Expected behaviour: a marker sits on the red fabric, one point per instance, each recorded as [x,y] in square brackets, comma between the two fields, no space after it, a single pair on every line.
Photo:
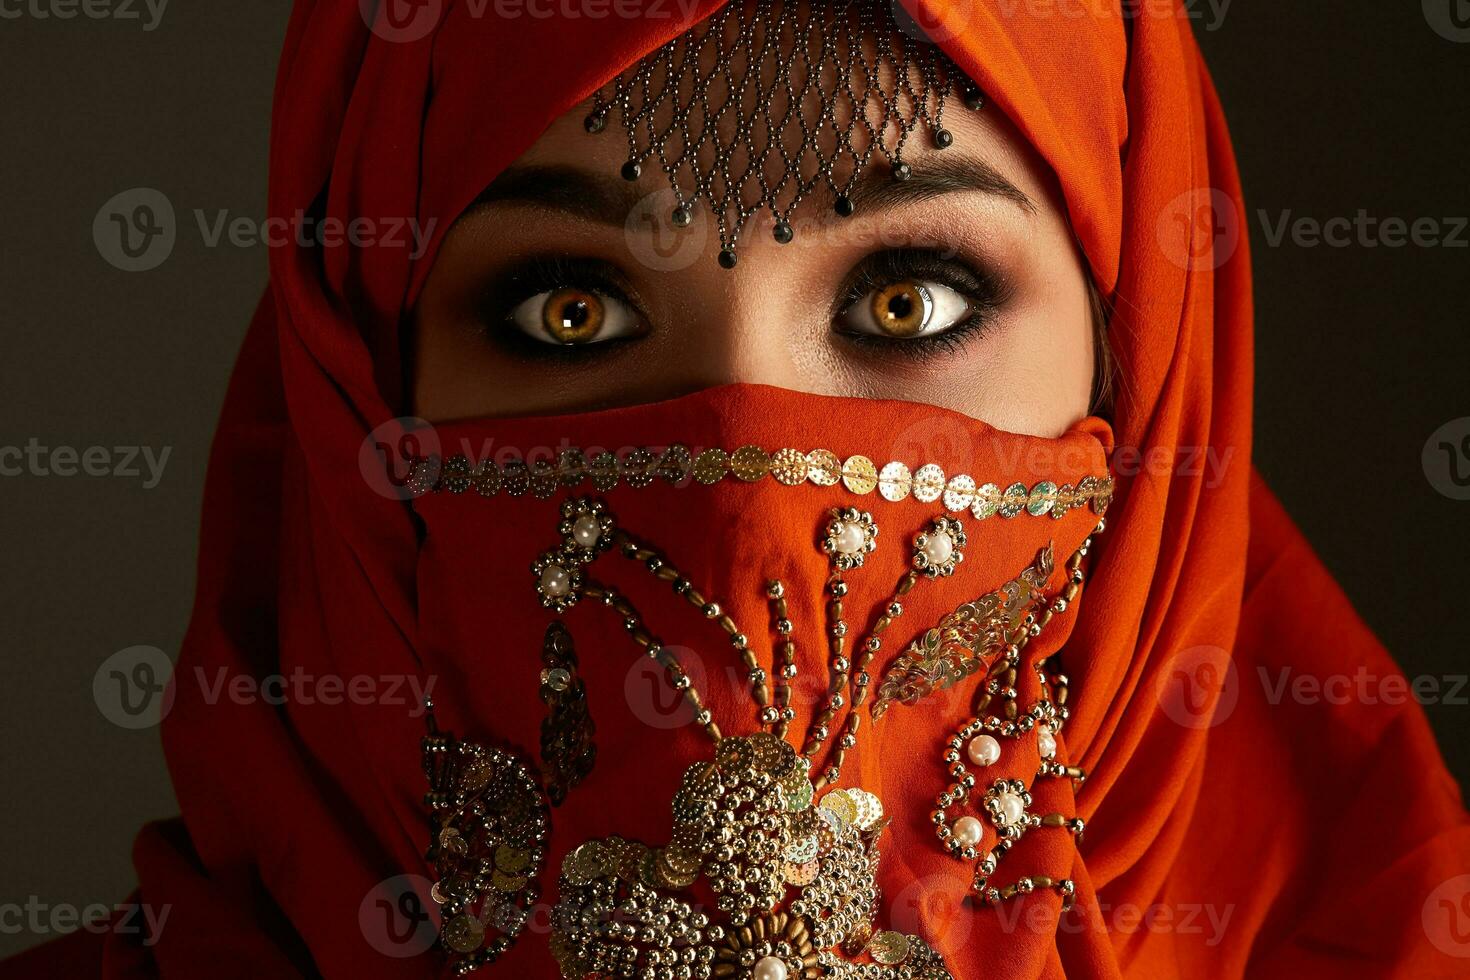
[1317,833]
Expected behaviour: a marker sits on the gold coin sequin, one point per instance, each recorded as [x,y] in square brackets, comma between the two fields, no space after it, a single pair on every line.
[960,493]
[463,934]
[1014,500]
[895,482]
[638,468]
[750,463]
[789,466]
[823,467]
[604,471]
[711,466]
[859,475]
[841,804]
[674,465]
[802,874]
[987,501]
[889,948]
[928,483]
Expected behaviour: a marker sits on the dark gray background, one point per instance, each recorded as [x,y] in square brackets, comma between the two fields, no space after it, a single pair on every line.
[1362,354]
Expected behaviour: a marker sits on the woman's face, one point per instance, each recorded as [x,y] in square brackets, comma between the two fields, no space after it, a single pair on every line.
[566,288]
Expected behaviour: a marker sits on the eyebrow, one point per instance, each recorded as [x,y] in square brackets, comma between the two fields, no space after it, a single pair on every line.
[608,199]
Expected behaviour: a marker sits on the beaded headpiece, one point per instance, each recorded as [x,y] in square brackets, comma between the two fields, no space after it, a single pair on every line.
[768,101]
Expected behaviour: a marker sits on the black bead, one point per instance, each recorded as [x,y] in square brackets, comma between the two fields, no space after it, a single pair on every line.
[783,232]
[902,172]
[595,122]
[843,206]
[974,99]
[681,217]
[943,139]
[631,170]
[728,258]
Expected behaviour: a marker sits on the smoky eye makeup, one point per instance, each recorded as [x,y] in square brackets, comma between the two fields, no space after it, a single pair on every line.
[917,303]
[561,306]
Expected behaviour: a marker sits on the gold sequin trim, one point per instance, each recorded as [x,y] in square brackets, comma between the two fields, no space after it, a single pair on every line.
[858,474]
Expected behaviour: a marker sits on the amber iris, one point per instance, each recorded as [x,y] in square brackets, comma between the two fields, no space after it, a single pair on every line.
[573,316]
[901,310]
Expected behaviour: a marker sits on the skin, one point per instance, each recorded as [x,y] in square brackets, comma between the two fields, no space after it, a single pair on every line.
[988,205]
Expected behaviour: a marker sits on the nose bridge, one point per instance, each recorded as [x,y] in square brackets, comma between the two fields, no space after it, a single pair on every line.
[731,334]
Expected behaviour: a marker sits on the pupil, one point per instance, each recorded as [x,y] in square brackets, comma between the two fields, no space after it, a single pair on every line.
[901,307]
[574,314]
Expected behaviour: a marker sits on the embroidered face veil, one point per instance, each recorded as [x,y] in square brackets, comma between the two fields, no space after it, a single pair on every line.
[764,861]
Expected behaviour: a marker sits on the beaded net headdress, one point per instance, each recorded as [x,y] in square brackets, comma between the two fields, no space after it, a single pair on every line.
[768,101]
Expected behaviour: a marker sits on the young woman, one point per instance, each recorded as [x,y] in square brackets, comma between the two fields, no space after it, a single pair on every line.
[713,296]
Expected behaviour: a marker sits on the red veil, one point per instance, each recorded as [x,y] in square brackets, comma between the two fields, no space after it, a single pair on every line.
[1231,830]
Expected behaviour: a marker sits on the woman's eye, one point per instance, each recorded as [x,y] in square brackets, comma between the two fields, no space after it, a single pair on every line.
[575,316]
[905,309]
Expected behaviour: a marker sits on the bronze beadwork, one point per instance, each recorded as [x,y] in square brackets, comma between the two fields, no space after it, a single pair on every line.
[567,749]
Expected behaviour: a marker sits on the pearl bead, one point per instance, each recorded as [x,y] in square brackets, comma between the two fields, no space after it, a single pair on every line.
[967,831]
[770,968]
[555,581]
[1046,742]
[586,530]
[938,548]
[984,750]
[1011,809]
[850,539]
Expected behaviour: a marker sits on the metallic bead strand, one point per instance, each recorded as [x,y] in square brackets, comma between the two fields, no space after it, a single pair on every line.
[786,671]
[662,570]
[654,647]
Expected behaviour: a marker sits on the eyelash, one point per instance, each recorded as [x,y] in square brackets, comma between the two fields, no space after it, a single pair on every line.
[547,273]
[984,291]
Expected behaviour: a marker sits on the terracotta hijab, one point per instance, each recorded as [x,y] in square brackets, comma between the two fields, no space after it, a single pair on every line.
[1230,832]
